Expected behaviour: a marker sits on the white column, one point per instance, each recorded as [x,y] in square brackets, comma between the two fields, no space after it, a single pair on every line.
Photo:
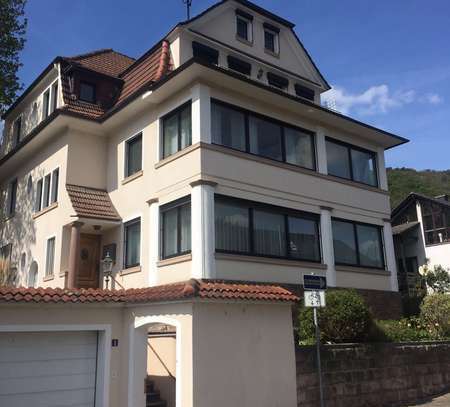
[382,176]
[202,226]
[201,114]
[327,244]
[321,150]
[153,257]
[391,264]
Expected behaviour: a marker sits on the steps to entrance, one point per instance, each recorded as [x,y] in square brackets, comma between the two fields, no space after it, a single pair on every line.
[153,398]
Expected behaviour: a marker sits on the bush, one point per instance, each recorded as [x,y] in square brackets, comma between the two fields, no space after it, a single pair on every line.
[435,312]
[346,318]
[404,330]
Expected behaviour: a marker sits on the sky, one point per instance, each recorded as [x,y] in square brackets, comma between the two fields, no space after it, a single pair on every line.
[387,61]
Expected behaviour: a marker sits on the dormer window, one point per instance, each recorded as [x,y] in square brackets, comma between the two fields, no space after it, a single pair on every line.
[87,92]
[271,38]
[46,105]
[244,26]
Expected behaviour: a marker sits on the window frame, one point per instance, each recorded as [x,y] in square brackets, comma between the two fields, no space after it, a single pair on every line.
[46,103]
[94,87]
[177,111]
[283,125]
[126,225]
[46,271]
[54,96]
[17,135]
[351,147]
[248,19]
[54,188]
[355,235]
[275,31]
[177,204]
[40,199]
[12,197]
[278,210]
[129,141]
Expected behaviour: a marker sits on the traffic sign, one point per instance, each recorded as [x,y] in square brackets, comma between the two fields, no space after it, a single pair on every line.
[315,298]
[312,282]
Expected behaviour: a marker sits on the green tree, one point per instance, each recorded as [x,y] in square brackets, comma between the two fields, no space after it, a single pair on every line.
[12,40]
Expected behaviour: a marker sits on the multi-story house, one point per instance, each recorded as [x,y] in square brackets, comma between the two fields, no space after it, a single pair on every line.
[421,228]
[208,157]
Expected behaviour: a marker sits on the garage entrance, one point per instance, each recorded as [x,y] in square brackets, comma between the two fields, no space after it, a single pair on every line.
[48,369]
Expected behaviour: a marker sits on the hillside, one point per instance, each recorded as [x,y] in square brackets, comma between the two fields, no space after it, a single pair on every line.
[402,181]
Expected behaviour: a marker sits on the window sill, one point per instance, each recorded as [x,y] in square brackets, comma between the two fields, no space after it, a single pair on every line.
[45,210]
[175,260]
[48,278]
[130,270]
[177,155]
[132,177]
[271,53]
[9,217]
[364,270]
[269,260]
[244,41]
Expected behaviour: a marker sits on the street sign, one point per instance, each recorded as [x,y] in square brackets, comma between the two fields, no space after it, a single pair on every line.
[312,282]
[315,298]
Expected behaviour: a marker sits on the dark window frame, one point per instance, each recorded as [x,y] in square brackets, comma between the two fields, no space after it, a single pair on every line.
[178,205]
[355,235]
[54,93]
[279,82]
[275,32]
[12,197]
[239,65]
[205,53]
[251,206]
[283,125]
[248,19]
[177,111]
[47,192]
[54,186]
[304,92]
[94,93]
[351,147]
[130,141]
[126,225]
[17,130]
[46,104]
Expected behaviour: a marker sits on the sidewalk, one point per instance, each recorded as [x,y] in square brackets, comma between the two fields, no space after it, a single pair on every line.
[442,401]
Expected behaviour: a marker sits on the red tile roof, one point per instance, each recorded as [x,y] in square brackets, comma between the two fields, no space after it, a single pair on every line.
[92,203]
[203,289]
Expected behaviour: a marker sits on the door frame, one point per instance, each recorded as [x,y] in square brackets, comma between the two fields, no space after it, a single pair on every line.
[102,380]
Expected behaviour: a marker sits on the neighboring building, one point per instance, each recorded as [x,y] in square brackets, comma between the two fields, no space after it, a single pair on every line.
[421,229]
[208,157]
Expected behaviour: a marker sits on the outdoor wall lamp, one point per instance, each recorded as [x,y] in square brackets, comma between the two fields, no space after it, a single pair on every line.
[107,264]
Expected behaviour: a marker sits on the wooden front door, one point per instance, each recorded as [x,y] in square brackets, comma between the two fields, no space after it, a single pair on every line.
[89,262]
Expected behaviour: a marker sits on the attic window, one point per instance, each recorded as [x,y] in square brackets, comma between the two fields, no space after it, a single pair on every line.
[244,26]
[239,65]
[304,92]
[277,81]
[205,53]
[271,38]
[87,92]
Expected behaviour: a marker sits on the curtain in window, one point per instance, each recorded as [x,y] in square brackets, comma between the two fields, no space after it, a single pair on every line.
[269,233]
[50,261]
[303,239]
[369,245]
[363,167]
[232,227]
[134,155]
[170,220]
[344,243]
[337,160]
[299,148]
[265,138]
[228,127]
[170,135]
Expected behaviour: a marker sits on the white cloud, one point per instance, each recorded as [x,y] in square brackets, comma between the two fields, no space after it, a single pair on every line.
[375,100]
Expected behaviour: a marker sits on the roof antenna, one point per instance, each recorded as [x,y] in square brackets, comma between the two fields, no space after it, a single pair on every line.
[188,8]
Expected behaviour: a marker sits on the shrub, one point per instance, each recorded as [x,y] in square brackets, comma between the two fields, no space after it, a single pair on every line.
[437,279]
[435,312]
[346,318]
[404,330]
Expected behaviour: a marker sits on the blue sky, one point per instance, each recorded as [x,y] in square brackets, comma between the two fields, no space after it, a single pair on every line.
[388,61]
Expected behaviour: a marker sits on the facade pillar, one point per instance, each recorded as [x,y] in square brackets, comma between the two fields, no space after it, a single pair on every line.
[321,151]
[327,244]
[382,175]
[203,229]
[201,114]
[391,264]
[154,242]
[74,254]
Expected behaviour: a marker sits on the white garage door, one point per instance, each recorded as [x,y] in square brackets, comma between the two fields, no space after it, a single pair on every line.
[48,369]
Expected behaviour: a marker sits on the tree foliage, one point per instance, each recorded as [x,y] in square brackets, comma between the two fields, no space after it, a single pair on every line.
[12,40]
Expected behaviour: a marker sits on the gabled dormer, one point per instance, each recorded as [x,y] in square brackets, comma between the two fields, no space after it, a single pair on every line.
[240,36]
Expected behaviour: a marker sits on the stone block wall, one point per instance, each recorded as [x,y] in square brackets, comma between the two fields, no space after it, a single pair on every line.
[373,375]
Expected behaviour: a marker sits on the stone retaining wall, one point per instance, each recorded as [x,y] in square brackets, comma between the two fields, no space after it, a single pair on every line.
[373,375]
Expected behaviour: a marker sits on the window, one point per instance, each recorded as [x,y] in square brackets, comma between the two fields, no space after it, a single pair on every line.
[304,92]
[87,92]
[176,228]
[357,244]
[55,180]
[50,258]
[46,197]
[177,130]
[356,164]
[244,25]
[239,65]
[277,81]
[33,276]
[12,197]
[251,228]
[436,222]
[205,53]
[46,104]
[38,201]
[54,97]
[6,252]
[132,243]
[17,131]
[133,159]
[245,131]
[271,38]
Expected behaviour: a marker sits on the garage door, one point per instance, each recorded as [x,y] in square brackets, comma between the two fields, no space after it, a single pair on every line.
[48,369]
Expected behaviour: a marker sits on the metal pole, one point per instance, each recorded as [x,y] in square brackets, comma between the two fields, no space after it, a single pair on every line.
[319,364]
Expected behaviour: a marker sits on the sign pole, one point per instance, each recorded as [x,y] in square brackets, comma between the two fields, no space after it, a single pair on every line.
[319,364]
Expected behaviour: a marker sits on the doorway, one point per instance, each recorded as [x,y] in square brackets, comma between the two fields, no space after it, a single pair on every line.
[88,275]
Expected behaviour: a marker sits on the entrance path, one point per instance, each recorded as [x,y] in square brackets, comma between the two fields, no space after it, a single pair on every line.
[442,401]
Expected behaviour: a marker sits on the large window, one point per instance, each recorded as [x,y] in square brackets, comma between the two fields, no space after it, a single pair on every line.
[132,243]
[356,164]
[50,258]
[133,159]
[12,197]
[357,244]
[436,222]
[177,130]
[244,227]
[246,131]
[176,228]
